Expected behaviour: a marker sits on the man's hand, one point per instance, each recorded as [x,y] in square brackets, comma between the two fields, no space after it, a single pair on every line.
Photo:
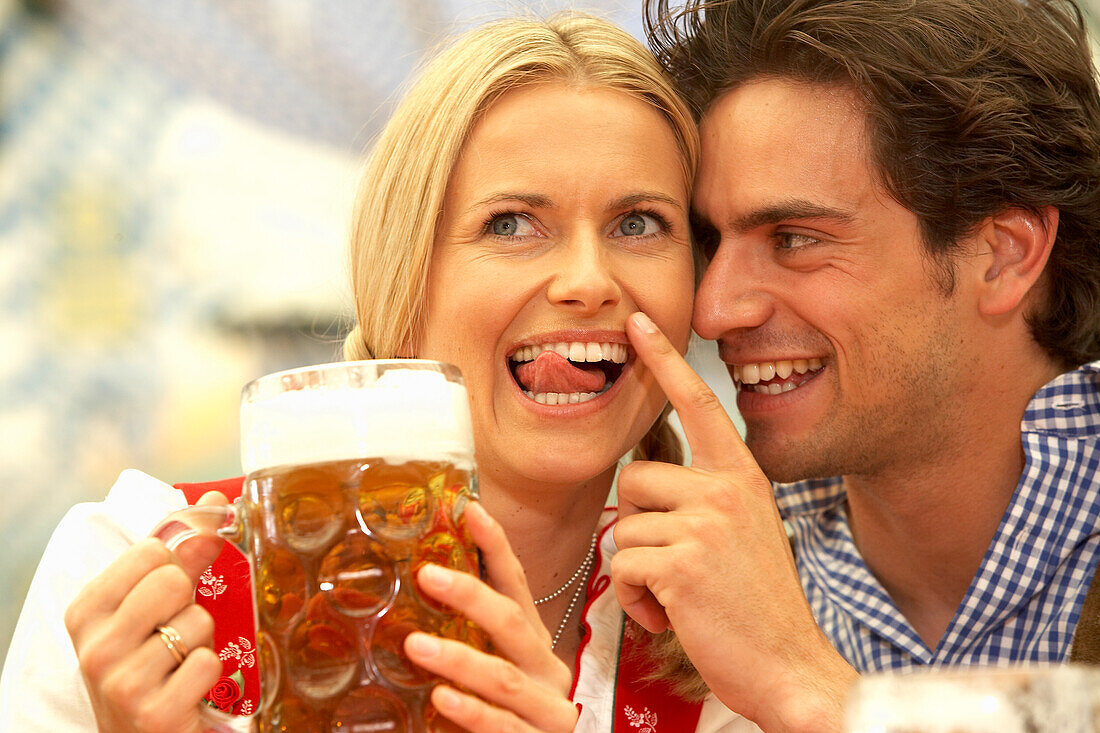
[702,550]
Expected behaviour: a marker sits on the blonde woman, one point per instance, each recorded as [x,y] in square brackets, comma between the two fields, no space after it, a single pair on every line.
[528,195]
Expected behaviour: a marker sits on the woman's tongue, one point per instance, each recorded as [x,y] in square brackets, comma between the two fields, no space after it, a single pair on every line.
[551,372]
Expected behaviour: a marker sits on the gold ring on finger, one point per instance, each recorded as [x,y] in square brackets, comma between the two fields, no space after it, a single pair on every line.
[174,642]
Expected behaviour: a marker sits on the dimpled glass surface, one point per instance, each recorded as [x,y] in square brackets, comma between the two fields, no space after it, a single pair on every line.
[336,548]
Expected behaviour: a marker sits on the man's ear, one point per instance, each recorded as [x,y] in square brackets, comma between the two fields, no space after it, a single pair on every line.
[1018,243]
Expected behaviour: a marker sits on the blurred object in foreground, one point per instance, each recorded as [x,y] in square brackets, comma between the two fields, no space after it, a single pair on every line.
[1038,699]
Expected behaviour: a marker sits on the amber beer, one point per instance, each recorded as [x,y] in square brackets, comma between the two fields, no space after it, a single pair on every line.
[358,474]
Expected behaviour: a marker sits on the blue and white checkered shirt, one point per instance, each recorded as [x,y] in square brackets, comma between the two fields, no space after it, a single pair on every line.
[1024,601]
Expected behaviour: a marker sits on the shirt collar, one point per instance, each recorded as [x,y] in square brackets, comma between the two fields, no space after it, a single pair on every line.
[1068,406]
[1055,506]
[809,497]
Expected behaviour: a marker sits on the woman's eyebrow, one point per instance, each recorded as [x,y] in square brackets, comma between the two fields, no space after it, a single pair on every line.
[534,200]
[643,197]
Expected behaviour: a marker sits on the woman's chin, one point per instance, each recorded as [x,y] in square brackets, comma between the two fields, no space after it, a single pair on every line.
[566,468]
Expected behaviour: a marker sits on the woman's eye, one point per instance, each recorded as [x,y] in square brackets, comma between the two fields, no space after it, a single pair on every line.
[510,225]
[633,225]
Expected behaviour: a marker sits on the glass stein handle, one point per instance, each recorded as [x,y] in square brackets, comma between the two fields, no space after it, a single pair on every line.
[221,521]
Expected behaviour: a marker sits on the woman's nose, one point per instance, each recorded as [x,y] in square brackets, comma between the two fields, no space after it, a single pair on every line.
[732,295]
[584,280]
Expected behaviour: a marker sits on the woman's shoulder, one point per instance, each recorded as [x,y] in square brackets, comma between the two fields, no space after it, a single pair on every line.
[132,507]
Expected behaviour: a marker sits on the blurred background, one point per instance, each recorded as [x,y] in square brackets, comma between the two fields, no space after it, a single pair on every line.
[176,180]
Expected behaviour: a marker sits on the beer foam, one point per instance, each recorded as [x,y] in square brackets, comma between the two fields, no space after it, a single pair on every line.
[405,415]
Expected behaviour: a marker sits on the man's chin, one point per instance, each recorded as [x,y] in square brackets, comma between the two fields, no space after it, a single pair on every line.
[782,476]
[785,462]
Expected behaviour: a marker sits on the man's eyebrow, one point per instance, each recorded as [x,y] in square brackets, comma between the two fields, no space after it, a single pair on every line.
[643,197]
[787,210]
[534,200]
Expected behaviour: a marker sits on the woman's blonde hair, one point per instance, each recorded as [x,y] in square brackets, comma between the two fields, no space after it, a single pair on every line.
[400,199]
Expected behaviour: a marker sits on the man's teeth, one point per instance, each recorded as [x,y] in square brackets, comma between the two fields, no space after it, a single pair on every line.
[561,398]
[575,351]
[750,374]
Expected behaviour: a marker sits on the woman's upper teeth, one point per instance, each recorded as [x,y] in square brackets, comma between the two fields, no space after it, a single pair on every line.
[575,351]
[765,370]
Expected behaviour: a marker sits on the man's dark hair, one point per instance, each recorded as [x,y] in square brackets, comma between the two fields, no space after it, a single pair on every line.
[973,106]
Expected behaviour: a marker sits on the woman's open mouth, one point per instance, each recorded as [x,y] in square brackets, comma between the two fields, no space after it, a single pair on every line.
[567,373]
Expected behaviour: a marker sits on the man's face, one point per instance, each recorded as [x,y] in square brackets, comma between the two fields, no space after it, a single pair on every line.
[848,357]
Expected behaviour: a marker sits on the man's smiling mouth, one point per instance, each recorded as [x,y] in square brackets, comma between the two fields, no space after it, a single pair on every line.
[775,377]
[567,373]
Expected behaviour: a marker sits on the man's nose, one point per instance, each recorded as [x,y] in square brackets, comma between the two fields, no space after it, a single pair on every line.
[584,281]
[732,295]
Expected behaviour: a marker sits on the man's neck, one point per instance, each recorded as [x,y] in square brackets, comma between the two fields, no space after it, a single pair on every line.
[924,527]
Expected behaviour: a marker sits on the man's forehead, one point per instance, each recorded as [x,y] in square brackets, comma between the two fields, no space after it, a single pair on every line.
[783,114]
[771,142]
[778,92]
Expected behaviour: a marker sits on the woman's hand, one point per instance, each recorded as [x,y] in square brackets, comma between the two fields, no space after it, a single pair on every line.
[525,688]
[132,674]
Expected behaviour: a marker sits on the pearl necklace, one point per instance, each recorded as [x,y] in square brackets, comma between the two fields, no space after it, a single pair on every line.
[573,578]
[585,566]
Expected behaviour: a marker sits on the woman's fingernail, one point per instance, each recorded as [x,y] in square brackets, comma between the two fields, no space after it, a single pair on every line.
[641,320]
[424,645]
[475,510]
[446,699]
[434,576]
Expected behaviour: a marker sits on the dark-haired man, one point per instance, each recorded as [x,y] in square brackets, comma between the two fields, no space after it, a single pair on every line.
[901,206]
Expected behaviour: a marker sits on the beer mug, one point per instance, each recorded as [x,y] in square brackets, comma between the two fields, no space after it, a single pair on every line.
[357,473]
[1025,699]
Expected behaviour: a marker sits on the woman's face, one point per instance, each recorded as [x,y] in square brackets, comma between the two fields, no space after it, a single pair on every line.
[566,212]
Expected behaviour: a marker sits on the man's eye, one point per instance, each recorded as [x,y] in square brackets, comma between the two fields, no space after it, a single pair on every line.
[510,225]
[790,240]
[633,225]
